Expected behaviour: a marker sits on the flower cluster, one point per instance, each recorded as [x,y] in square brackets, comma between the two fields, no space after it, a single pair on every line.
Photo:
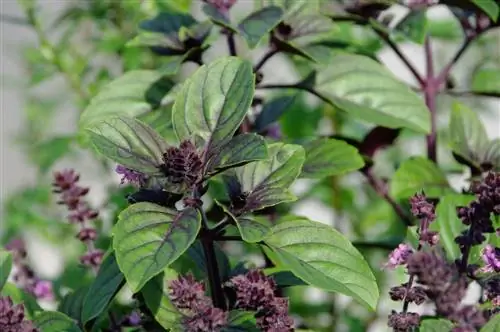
[66,184]
[256,292]
[183,165]
[131,176]
[188,295]
[24,276]
[12,317]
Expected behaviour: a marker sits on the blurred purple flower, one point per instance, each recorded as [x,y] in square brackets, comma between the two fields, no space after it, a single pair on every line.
[12,317]
[130,176]
[399,256]
[491,258]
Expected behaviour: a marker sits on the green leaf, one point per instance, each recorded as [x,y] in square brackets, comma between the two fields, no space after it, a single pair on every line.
[447,222]
[417,174]
[19,296]
[266,182]
[46,153]
[328,157]
[156,296]
[5,266]
[168,23]
[240,150]
[366,90]
[324,258]
[213,101]
[486,80]
[241,321]
[53,321]
[489,7]
[414,26]
[493,324]
[258,24]
[435,325]
[467,133]
[106,285]
[72,303]
[129,142]
[286,279]
[148,38]
[491,154]
[252,228]
[149,237]
[161,122]
[272,111]
[134,93]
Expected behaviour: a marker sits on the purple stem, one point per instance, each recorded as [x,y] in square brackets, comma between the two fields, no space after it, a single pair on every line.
[430,87]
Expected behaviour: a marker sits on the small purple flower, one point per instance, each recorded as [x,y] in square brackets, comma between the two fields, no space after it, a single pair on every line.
[43,290]
[491,258]
[186,292]
[134,319]
[12,317]
[209,319]
[130,176]
[92,258]
[254,290]
[399,256]
[403,322]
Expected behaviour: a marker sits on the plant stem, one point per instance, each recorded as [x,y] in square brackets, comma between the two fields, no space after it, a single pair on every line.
[268,55]
[231,43]
[430,87]
[381,190]
[207,242]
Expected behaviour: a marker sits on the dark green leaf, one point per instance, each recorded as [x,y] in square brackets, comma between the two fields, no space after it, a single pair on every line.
[213,101]
[486,80]
[322,257]
[168,23]
[266,182]
[241,321]
[19,296]
[149,237]
[52,321]
[197,255]
[217,17]
[130,143]
[286,279]
[161,121]
[490,7]
[252,228]
[448,224]
[134,93]
[148,38]
[240,150]
[467,134]
[328,157]
[72,303]
[156,296]
[366,90]
[106,285]
[272,111]
[417,174]
[414,26]
[258,24]
[435,325]
[5,267]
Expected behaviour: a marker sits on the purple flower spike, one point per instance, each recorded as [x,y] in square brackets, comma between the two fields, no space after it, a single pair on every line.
[130,176]
[12,317]
[491,258]
[399,256]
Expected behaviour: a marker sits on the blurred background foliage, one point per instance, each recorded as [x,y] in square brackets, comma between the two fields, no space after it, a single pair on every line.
[86,46]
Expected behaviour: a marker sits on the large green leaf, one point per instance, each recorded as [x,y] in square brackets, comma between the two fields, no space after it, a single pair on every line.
[53,321]
[213,101]
[134,93]
[156,296]
[258,24]
[265,183]
[149,237]
[5,266]
[448,224]
[108,282]
[130,143]
[366,90]
[435,325]
[327,157]
[493,325]
[19,296]
[322,257]
[467,134]
[72,303]
[417,174]
[240,150]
